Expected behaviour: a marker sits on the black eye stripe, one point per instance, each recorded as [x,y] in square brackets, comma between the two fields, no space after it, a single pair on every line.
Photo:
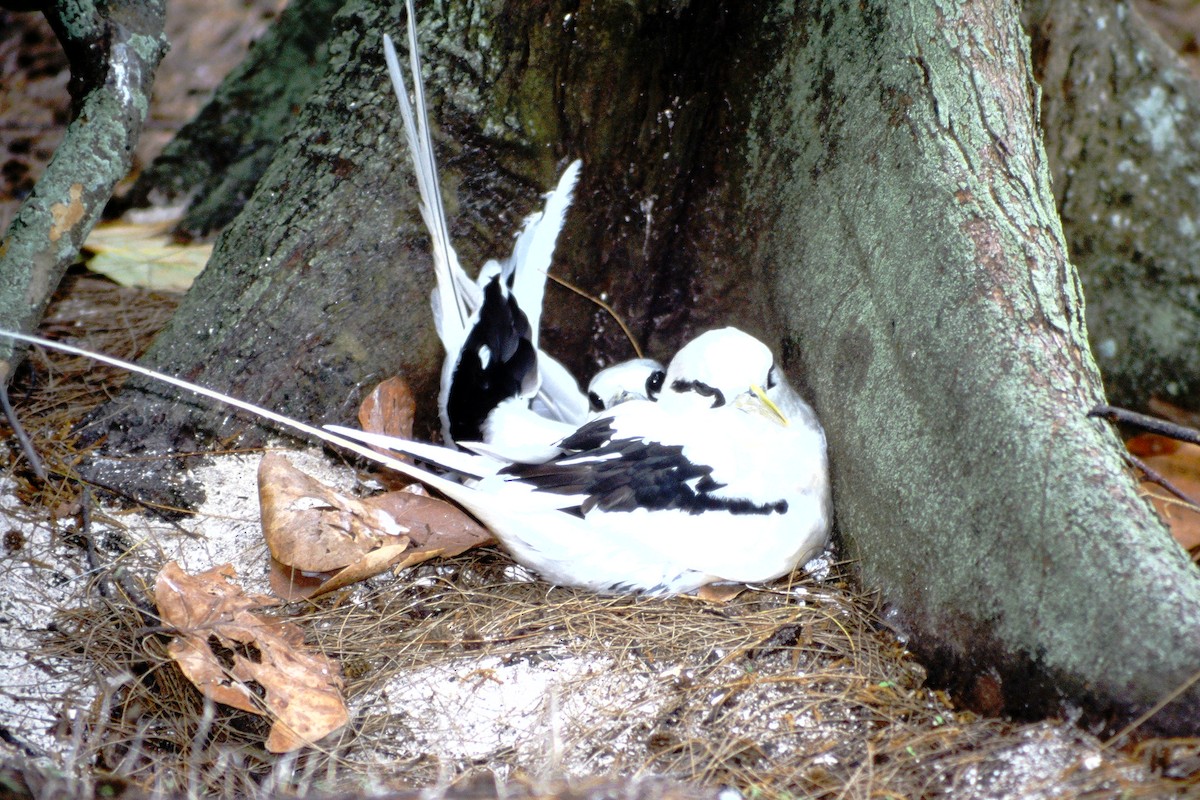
[771,379]
[595,402]
[702,389]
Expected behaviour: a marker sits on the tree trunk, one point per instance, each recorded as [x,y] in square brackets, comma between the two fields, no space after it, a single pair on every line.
[218,158]
[1121,113]
[319,289]
[871,170]
[908,225]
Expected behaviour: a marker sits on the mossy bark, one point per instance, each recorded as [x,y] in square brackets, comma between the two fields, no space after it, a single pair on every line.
[114,49]
[216,160]
[902,200]
[1121,114]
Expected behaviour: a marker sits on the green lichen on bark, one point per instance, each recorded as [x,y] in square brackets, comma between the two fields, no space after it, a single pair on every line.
[112,70]
[218,157]
[923,279]
[1121,115]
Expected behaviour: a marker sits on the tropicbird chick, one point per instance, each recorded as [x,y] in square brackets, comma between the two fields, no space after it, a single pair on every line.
[456,298]
[636,379]
[650,496]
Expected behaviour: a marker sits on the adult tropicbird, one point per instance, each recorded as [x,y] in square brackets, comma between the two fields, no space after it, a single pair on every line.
[710,483]
[456,299]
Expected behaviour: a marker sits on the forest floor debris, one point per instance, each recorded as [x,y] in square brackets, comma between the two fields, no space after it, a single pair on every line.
[464,667]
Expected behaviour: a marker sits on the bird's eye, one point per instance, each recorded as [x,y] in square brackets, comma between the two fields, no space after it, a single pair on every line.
[595,402]
[654,383]
[771,380]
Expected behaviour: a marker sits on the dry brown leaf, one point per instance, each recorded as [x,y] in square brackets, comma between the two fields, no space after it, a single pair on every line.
[1173,413]
[145,255]
[323,540]
[1145,445]
[375,562]
[310,527]
[226,650]
[720,593]
[433,524]
[292,584]
[389,409]
[1179,463]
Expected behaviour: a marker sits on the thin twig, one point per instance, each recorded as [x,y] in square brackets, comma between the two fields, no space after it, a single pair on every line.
[22,438]
[1154,425]
[1146,422]
[1154,476]
[611,312]
[1154,709]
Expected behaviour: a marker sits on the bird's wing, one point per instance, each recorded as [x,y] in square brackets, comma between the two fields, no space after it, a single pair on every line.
[559,397]
[608,467]
[497,363]
[534,248]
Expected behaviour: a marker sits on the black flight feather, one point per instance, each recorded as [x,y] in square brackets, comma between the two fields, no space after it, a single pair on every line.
[498,361]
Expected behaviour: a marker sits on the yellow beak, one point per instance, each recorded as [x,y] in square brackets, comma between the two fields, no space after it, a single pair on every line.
[765,406]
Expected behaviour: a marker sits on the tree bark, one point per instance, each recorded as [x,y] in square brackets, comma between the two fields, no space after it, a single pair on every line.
[908,226]
[217,159]
[1121,114]
[113,49]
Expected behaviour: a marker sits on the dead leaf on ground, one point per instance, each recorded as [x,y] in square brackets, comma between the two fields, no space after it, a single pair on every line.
[389,409]
[317,534]
[1173,413]
[720,593]
[1179,463]
[144,255]
[228,651]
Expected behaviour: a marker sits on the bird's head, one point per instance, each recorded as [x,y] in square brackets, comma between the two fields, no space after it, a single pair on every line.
[724,367]
[637,379]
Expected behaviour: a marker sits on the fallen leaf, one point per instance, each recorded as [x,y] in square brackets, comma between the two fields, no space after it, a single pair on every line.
[1173,413]
[145,256]
[291,584]
[720,593]
[312,528]
[389,409]
[373,563]
[1145,445]
[433,525]
[321,540]
[1179,463]
[255,663]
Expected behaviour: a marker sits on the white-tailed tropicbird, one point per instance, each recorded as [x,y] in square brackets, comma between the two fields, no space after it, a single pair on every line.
[528,374]
[636,379]
[710,483]
[707,484]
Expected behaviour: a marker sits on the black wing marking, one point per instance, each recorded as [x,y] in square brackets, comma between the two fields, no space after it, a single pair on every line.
[498,361]
[627,474]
